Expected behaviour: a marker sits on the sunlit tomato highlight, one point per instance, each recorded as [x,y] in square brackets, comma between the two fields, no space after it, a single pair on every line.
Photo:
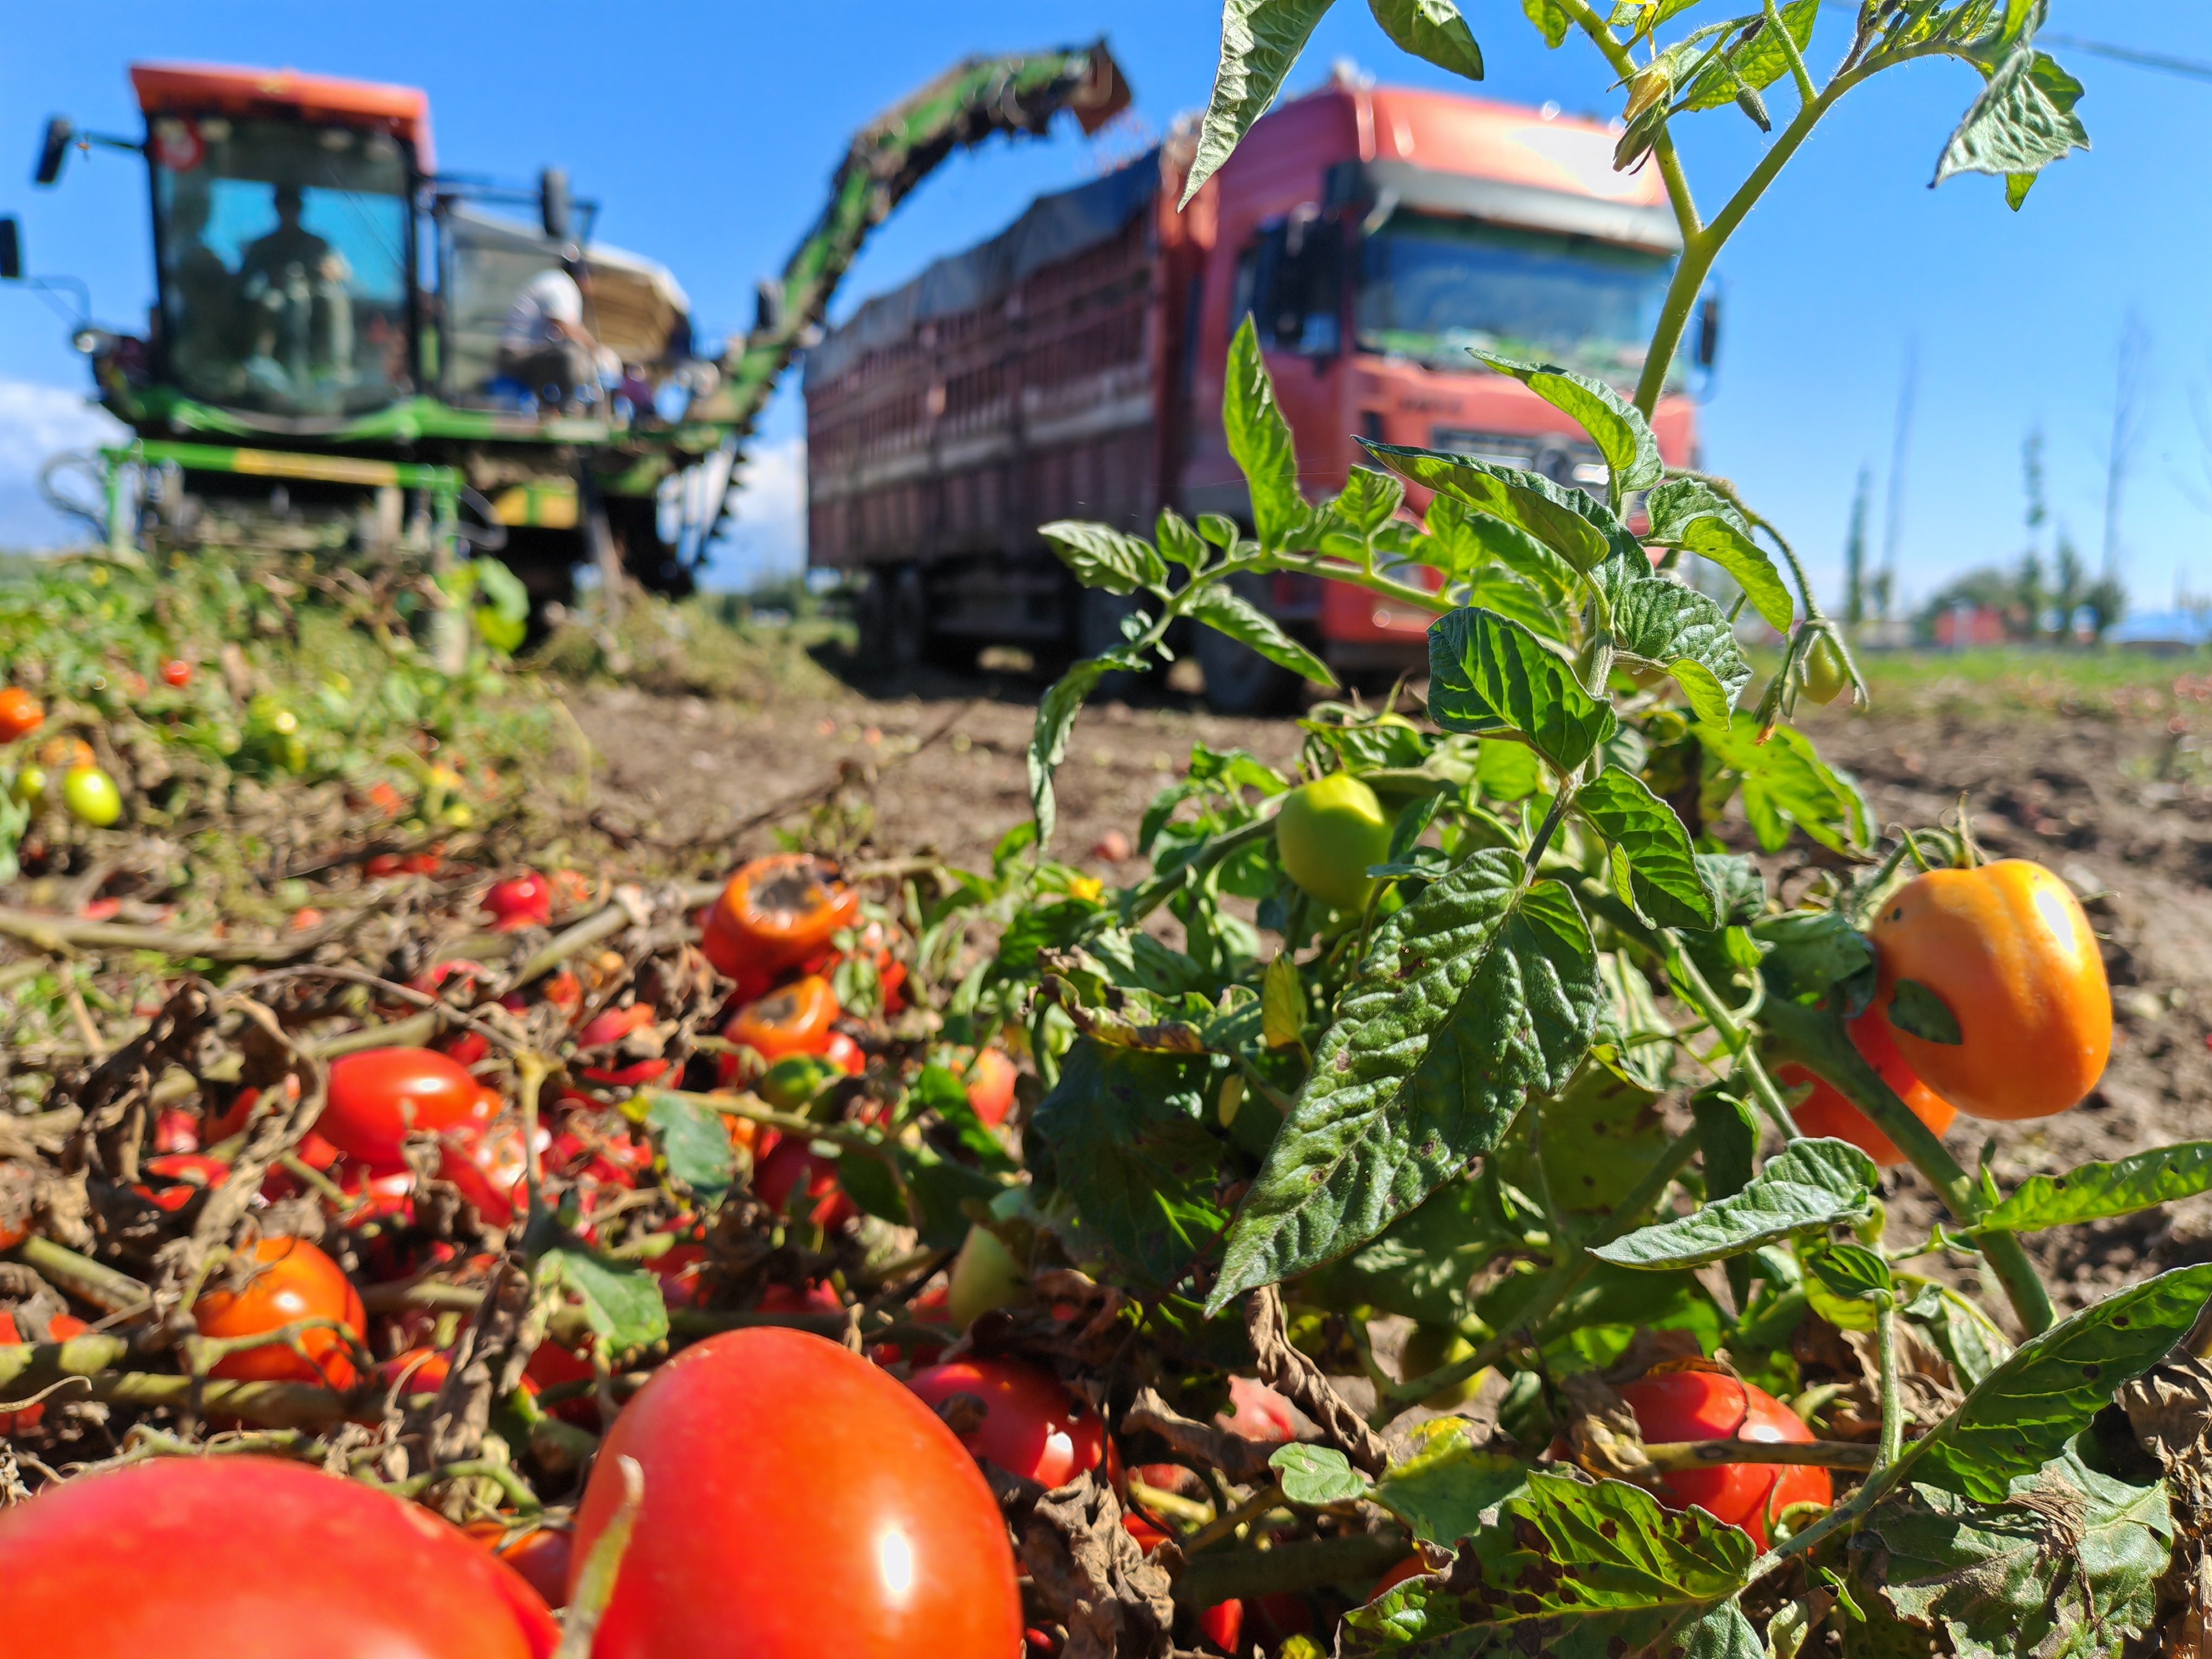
[379,1096]
[1032,1426]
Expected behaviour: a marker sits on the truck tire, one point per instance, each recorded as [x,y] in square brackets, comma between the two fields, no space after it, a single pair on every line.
[1098,616]
[1238,679]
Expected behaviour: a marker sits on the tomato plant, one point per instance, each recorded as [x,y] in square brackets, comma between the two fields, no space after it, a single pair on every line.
[794,1020]
[1825,1111]
[1329,832]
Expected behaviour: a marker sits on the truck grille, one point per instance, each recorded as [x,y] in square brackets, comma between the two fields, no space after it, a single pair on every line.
[1577,464]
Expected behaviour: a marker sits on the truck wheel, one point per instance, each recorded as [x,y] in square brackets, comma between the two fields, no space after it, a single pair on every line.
[1098,616]
[1238,679]
[906,633]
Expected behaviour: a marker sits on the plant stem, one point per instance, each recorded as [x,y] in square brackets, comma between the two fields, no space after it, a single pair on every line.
[1893,1399]
[1553,819]
[1674,1456]
[1250,1510]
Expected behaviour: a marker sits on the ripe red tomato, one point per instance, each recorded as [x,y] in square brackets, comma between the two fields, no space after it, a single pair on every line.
[1032,1426]
[991,1086]
[1826,1112]
[176,672]
[523,901]
[179,1178]
[793,1168]
[21,713]
[465,1048]
[1223,1625]
[424,1371]
[1257,1411]
[487,1163]
[377,1095]
[1412,1567]
[794,1020]
[847,1055]
[233,1558]
[292,1281]
[844,1519]
[176,1130]
[541,1555]
[1692,1405]
[820,1296]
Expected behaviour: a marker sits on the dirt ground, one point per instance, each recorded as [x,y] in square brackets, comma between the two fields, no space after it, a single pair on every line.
[940,770]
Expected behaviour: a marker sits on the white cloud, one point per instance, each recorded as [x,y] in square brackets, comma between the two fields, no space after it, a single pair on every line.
[767,537]
[36,423]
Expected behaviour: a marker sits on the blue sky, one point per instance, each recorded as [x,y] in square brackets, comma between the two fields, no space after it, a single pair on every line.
[709,132]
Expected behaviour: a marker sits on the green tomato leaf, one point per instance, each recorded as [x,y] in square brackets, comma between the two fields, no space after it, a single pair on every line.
[1668,885]
[1550,18]
[1913,1007]
[2019,1416]
[1758,63]
[1433,30]
[694,1140]
[1462,541]
[1616,426]
[1055,721]
[1444,1479]
[1807,1185]
[1219,606]
[1260,41]
[1422,1264]
[2096,1192]
[1961,1331]
[1850,1272]
[1501,592]
[1692,515]
[1813,952]
[1785,786]
[1580,530]
[1177,540]
[623,1305]
[1489,675]
[1317,1476]
[2022,121]
[1369,500]
[1260,440]
[1103,556]
[1482,990]
[1678,629]
[1728,1138]
[1282,1004]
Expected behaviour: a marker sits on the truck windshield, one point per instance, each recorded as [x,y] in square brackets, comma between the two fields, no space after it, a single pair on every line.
[1430,288]
[284,255]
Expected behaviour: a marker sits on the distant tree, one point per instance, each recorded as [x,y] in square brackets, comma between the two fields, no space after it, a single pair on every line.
[1855,594]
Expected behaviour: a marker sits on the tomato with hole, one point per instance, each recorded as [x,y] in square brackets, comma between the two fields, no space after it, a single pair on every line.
[1257,1411]
[1327,834]
[1826,1112]
[844,1519]
[523,901]
[379,1096]
[2006,948]
[280,1281]
[21,713]
[776,912]
[1699,1405]
[794,1020]
[175,1179]
[239,1557]
[991,1086]
[796,1180]
[1032,1426]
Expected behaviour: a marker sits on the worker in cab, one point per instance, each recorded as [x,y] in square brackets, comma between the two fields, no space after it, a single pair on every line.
[545,345]
[292,287]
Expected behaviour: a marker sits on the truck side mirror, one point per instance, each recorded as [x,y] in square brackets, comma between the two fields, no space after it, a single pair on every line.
[1709,331]
[553,203]
[53,150]
[11,250]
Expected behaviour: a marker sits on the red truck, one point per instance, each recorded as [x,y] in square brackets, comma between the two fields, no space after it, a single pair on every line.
[1071,366]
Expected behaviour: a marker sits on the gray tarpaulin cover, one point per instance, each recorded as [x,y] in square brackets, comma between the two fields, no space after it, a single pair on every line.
[1052,228]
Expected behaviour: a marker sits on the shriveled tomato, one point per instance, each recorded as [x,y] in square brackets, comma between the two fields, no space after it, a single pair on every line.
[2006,949]
[21,713]
[379,1096]
[222,1558]
[285,1279]
[991,1085]
[1826,1112]
[795,1180]
[175,1179]
[523,901]
[776,912]
[1696,1405]
[1032,1426]
[794,1020]
[844,1518]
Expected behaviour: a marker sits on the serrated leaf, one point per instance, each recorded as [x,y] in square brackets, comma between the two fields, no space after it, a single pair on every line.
[694,1140]
[1503,594]
[1688,513]
[1316,1476]
[2020,122]
[1578,1570]
[1785,785]
[1433,30]
[1579,529]
[623,1305]
[1808,1184]
[1482,990]
[1260,440]
[1758,63]
[1490,675]
[1462,540]
[1599,1137]
[2020,1415]
[1445,1480]
[1421,1266]
[1177,539]
[1966,1336]
[1123,1132]
[1678,629]
[1634,1038]
[1814,951]
[1616,426]
[1668,885]
[1850,1271]
[1369,500]
[2096,1192]
[1055,721]
[1260,40]
[1101,556]
[1220,607]
[1916,1009]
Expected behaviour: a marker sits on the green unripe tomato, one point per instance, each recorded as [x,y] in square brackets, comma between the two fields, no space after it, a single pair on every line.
[1823,671]
[1431,1347]
[1328,833]
[30,785]
[91,796]
[792,1083]
[985,1275]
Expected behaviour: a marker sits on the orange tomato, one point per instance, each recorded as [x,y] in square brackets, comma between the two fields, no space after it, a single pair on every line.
[794,1020]
[21,713]
[776,912]
[2006,948]
[1826,1112]
[291,1279]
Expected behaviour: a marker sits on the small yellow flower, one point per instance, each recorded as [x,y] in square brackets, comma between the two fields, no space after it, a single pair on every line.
[1086,888]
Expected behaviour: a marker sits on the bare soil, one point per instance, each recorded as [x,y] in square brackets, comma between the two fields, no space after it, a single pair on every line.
[940,770]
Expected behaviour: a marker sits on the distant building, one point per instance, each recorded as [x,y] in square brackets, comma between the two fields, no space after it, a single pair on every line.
[1963,625]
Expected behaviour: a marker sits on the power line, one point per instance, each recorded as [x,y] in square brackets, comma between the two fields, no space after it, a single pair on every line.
[2192,69]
